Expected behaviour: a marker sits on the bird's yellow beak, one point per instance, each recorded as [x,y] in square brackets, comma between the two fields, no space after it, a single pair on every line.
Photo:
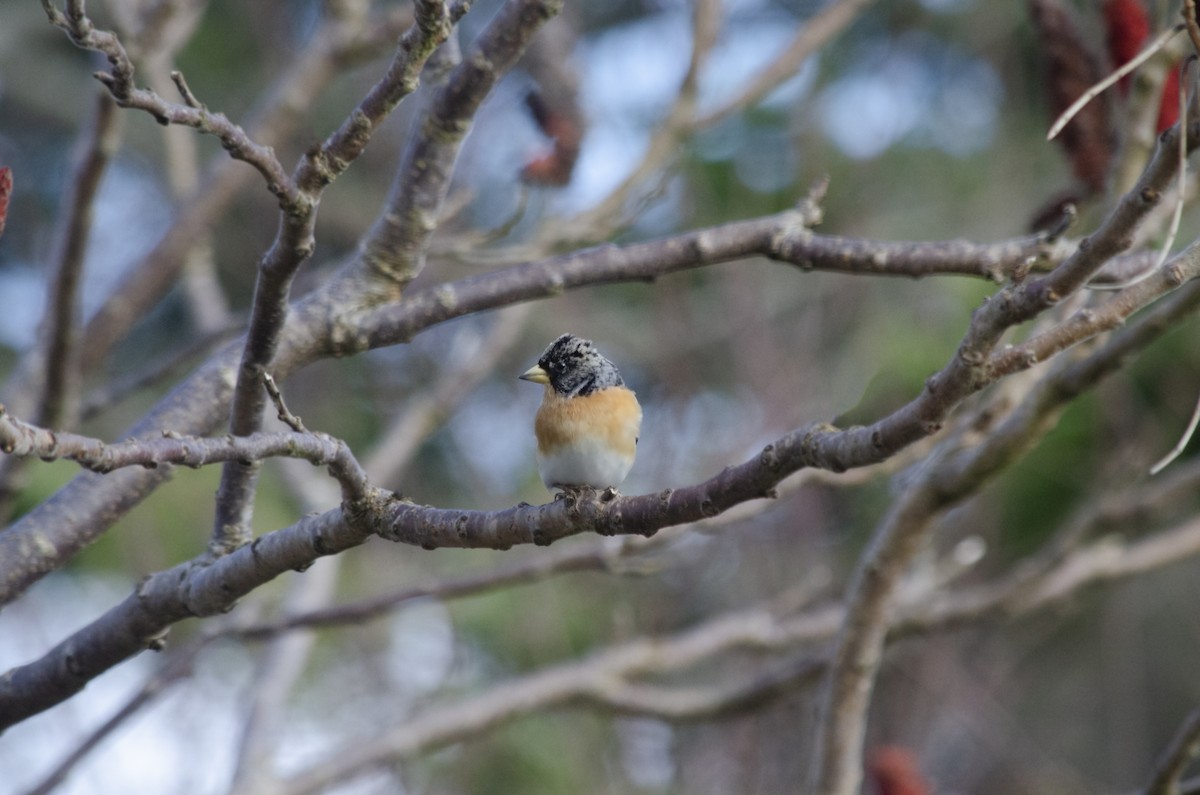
[535,374]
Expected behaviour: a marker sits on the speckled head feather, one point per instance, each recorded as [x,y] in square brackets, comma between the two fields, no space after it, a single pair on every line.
[576,368]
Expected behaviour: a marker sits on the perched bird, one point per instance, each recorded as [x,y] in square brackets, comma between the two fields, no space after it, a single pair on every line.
[587,426]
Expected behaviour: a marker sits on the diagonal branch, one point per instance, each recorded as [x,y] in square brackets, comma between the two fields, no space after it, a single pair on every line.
[873,592]
[1184,748]
[393,250]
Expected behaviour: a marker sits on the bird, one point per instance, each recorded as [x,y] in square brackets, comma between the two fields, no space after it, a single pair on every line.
[588,423]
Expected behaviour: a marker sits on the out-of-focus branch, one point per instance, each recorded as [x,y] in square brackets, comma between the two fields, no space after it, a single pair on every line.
[188,590]
[584,557]
[598,222]
[176,668]
[393,251]
[814,34]
[157,373]
[585,680]
[242,571]
[280,666]
[98,145]
[55,359]
[158,37]
[423,413]
[320,326]
[681,119]
[1184,747]
[321,329]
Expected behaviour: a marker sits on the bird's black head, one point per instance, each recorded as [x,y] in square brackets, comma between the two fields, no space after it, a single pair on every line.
[573,367]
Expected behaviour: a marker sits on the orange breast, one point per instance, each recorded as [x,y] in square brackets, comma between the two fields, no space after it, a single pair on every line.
[612,416]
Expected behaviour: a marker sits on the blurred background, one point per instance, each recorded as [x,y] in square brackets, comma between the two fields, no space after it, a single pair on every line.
[929,121]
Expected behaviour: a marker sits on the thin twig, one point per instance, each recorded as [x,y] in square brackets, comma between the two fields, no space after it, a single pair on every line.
[1188,12]
[285,416]
[335,44]
[1180,445]
[185,91]
[1156,44]
[1184,747]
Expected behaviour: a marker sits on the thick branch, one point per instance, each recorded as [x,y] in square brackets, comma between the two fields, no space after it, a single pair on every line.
[185,591]
[320,326]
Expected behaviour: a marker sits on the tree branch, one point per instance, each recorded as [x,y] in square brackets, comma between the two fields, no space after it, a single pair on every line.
[1184,747]
[294,244]
[62,311]
[874,589]
[337,43]
[393,251]
[19,438]
[603,678]
[119,81]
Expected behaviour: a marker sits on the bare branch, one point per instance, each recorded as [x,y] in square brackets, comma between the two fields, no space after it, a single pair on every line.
[814,34]
[1184,747]
[603,678]
[99,143]
[393,250]
[322,329]
[293,245]
[176,668]
[337,43]
[1156,44]
[18,438]
[841,729]
[119,81]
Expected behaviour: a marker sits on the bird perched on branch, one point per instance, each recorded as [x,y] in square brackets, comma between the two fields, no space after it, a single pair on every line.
[587,426]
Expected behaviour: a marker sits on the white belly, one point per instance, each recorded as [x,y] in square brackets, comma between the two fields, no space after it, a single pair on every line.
[585,463]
